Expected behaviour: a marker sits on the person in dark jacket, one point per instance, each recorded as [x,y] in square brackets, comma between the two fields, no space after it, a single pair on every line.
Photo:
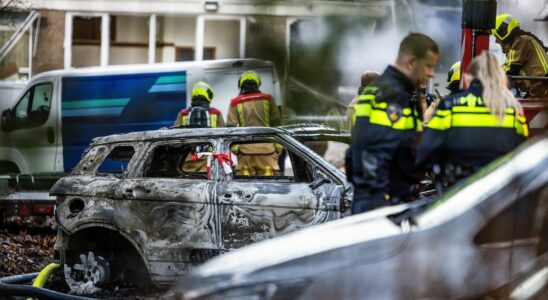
[475,126]
[383,163]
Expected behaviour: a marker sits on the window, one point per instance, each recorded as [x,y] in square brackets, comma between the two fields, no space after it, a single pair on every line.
[33,108]
[187,53]
[269,161]
[117,160]
[87,29]
[176,161]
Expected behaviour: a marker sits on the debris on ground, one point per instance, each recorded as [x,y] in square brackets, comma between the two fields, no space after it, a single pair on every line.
[22,253]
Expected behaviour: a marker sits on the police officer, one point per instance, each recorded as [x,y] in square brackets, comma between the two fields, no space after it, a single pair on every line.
[200,114]
[525,55]
[475,126]
[253,108]
[382,158]
[362,100]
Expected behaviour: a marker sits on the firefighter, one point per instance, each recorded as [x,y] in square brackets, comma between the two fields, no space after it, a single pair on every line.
[453,85]
[361,99]
[475,126]
[525,55]
[200,114]
[253,108]
[383,163]
[453,78]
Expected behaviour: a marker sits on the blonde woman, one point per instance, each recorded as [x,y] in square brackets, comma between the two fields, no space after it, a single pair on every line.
[472,128]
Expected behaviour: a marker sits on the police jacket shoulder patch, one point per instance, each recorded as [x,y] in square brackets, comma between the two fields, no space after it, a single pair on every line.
[394,112]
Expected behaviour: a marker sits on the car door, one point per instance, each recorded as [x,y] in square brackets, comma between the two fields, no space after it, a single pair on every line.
[254,208]
[31,125]
[168,207]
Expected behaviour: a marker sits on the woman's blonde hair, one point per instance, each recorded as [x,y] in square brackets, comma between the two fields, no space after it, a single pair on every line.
[496,95]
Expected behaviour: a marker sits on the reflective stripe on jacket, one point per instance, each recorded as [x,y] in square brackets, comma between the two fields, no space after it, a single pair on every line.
[464,132]
[256,109]
[215,117]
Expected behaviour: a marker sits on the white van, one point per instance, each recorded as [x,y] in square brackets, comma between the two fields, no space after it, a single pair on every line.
[59,112]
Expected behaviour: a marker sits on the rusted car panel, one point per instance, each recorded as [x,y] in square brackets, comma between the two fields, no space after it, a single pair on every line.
[171,219]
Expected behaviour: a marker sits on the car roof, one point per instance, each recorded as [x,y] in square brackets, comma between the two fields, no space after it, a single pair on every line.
[173,133]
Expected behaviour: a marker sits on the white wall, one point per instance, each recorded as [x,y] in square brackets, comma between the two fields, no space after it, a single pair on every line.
[128,55]
[224,36]
[178,30]
[132,29]
[85,56]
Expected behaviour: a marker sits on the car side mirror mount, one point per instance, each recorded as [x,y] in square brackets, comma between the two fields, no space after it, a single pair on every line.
[7,122]
[320,180]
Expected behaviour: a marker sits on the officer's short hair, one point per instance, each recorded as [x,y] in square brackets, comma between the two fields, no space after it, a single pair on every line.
[417,44]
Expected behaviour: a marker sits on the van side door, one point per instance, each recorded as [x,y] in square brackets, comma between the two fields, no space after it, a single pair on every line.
[30,133]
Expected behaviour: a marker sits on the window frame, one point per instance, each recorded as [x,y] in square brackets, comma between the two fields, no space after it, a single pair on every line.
[213,51]
[149,153]
[227,143]
[31,91]
[90,168]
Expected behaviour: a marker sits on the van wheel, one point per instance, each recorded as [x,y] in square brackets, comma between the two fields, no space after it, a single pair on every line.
[87,276]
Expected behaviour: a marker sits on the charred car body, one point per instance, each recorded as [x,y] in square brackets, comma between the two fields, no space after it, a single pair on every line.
[487,238]
[152,219]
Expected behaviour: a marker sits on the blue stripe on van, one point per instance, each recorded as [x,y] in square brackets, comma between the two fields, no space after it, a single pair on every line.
[160,88]
[99,111]
[95,103]
[171,79]
[93,106]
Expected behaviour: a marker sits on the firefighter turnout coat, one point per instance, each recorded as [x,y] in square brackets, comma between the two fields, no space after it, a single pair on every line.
[248,110]
[527,53]
[215,117]
[215,120]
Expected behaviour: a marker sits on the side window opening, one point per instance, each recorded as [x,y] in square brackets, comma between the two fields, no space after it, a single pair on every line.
[117,161]
[176,161]
[265,160]
[21,110]
[41,104]
[33,108]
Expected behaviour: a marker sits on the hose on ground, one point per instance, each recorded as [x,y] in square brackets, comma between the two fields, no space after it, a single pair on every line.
[11,286]
[43,276]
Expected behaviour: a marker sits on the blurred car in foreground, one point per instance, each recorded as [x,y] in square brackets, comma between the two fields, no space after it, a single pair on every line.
[482,236]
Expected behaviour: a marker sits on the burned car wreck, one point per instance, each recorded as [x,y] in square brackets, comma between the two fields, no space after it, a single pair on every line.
[132,210]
